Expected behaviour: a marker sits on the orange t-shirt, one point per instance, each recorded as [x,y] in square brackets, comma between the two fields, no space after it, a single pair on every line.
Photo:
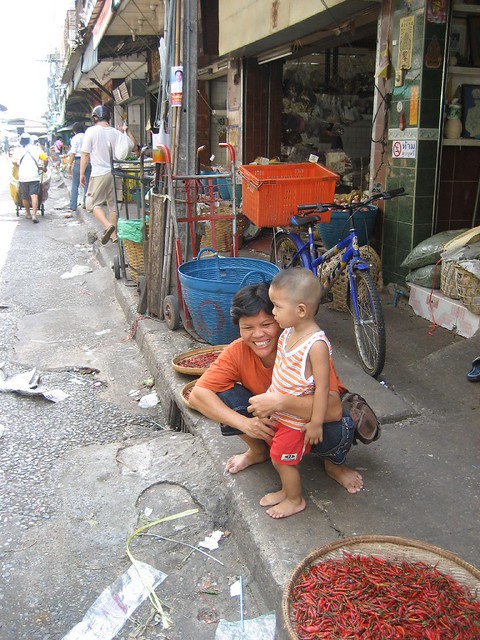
[238,363]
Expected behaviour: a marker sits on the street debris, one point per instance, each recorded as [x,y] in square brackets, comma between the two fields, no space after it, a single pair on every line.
[148,401]
[103,332]
[211,542]
[261,628]
[111,610]
[26,384]
[77,270]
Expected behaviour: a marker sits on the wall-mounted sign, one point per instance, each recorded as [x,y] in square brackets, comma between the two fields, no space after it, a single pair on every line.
[176,86]
[404,149]
[405,43]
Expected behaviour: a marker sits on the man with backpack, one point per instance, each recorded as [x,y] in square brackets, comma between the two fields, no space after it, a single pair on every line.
[29,159]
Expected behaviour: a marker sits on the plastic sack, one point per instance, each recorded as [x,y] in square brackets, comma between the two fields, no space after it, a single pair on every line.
[471,236]
[261,628]
[116,603]
[427,276]
[130,230]
[429,250]
[468,252]
[123,147]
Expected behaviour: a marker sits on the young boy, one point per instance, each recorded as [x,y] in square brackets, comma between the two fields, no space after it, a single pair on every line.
[302,367]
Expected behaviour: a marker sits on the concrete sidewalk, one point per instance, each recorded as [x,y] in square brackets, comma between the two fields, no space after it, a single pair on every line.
[421,477]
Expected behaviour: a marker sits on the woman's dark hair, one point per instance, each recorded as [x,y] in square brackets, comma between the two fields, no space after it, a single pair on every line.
[250,300]
[78,127]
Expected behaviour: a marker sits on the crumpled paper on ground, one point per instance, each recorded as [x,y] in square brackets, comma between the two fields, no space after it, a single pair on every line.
[26,384]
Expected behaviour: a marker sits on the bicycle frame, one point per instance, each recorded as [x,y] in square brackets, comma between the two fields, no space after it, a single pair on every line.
[350,258]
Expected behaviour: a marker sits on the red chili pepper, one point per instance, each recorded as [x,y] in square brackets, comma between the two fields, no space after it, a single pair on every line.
[369,597]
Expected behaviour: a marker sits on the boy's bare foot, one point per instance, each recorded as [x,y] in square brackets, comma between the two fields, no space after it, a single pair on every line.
[241,461]
[271,499]
[286,508]
[348,478]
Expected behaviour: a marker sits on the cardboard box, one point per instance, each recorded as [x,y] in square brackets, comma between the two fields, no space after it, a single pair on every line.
[445,312]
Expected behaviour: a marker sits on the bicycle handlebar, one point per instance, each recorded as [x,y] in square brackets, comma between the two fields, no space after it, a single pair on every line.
[321,207]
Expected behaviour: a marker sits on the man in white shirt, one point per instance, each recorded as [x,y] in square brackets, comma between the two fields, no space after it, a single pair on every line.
[29,158]
[96,145]
[74,158]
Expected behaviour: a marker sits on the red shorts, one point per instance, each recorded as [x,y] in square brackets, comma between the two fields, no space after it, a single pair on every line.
[288,445]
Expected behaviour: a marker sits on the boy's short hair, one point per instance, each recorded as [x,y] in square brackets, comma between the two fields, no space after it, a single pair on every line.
[250,300]
[302,285]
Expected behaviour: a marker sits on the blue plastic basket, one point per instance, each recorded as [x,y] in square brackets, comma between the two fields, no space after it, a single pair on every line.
[339,228]
[208,286]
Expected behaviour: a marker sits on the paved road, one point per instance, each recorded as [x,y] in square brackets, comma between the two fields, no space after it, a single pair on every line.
[79,476]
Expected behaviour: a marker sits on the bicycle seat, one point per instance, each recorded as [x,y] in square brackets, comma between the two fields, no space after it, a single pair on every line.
[302,221]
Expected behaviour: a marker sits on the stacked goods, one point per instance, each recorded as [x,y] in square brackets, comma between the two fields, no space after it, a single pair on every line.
[423,261]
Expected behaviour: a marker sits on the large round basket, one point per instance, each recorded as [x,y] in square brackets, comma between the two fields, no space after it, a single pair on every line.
[208,286]
[390,548]
[195,353]
[340,288]
[186,390]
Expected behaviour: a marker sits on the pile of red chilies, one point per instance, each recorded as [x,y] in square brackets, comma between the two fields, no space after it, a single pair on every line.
[200,361]
[369,598]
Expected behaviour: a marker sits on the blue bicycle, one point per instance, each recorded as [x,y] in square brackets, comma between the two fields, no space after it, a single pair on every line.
[290,249]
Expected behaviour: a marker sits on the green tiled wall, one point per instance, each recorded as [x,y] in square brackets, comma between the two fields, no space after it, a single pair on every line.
[409,219]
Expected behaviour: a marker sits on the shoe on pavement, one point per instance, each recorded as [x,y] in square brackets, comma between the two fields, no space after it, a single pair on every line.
[35,220]
[108,234]
[474,374]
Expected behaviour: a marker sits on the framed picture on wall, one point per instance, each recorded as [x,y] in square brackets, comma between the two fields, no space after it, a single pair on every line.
[474,32]
[471,110]
[459,40]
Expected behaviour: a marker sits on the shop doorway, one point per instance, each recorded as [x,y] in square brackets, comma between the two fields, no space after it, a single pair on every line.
[328,111]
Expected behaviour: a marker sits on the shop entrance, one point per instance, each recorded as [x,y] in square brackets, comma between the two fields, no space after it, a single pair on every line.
[328,111]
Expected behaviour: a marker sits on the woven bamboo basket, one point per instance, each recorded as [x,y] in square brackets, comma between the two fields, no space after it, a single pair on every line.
[223,230]
[468,287]
[135,258]
[186,390]
[448,283]
[194,371]
[340,288]
[390,548]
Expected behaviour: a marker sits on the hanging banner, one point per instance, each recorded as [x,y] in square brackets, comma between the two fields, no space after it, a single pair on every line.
[176,86]
[405,43]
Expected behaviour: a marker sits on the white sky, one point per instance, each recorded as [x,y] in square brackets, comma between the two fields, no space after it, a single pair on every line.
[31,29]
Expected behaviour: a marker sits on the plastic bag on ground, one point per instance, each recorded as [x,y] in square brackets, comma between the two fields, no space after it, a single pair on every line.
[261,628]
[116,603]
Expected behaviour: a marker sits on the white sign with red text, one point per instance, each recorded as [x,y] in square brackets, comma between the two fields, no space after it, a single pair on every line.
[404,149]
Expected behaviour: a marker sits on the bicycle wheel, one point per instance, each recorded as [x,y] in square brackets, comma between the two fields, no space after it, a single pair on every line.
[283,251]
[369,324]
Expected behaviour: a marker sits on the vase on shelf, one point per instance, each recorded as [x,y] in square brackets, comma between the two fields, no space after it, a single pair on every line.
[453,124]
[453,128]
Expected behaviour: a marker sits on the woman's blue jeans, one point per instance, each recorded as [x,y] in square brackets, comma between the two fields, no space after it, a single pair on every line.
[76,183]
[337,436]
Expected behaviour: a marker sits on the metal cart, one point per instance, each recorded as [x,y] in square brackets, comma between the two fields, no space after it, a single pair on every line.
[132,183]
[195,200]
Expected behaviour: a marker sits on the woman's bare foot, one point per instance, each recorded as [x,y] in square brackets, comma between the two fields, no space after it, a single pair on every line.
[241,461]
[271,499]
[286,508]
[348,478]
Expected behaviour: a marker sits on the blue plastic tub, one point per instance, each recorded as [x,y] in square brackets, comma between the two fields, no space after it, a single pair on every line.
[338,227]
[208,286]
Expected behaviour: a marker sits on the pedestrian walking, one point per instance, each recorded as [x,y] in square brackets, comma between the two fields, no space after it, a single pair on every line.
[96,145]
[29,159]
[74,158]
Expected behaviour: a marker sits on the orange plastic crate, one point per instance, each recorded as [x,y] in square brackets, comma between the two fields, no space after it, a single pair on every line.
[272,192]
